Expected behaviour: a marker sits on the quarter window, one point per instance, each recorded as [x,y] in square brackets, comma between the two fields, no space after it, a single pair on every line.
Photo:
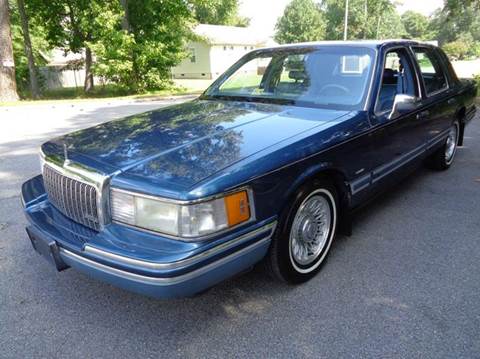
[431,69]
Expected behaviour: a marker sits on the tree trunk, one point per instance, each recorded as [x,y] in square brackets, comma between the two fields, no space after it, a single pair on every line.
[125,22]
[128,29]
[27,44]
[88,71]
[8,85]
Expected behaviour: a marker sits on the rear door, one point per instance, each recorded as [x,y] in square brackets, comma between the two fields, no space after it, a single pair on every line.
[438,101]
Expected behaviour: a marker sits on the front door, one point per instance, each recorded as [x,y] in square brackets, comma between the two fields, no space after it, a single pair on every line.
[399,139]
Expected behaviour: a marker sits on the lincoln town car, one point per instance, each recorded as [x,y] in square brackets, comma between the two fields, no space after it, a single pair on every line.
[267,165]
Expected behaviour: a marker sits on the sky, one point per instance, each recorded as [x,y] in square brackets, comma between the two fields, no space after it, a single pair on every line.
[263,14]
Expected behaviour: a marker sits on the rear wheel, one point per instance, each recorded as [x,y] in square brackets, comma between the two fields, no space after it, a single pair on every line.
[443,157]
[305,233]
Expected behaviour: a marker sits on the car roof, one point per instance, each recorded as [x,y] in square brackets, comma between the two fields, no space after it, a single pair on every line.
[364,43]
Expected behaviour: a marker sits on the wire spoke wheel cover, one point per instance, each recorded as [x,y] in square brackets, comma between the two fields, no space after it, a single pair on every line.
[311,231]
[451,144]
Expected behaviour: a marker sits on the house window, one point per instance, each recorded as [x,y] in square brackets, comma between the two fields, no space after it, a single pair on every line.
[192,56]
[251,47]
[224,48]
[245,48]
[231,47]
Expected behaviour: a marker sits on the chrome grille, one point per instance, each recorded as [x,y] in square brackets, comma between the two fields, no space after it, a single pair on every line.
[75,199]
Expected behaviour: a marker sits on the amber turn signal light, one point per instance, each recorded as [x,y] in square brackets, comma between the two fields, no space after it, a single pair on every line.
[238,208]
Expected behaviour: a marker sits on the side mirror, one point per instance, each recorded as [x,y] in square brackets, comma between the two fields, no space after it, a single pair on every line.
[403,103]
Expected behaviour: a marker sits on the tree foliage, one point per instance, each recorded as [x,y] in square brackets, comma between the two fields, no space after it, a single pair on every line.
[218,12]
[464,47]
[302,21]
[454,7]
[416,25]
[73,25]
[457,28]
[142,57]
[40,49]
[367,19]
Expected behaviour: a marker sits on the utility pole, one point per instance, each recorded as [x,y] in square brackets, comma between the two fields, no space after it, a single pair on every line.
[365,23]
[345,30]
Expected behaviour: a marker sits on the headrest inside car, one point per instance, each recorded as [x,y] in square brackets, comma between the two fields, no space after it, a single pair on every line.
[297,75]
[389,77]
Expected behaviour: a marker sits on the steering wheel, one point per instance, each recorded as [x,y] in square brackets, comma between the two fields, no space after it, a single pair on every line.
[345,90]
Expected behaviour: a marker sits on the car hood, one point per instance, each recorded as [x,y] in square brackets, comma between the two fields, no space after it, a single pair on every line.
[186,143]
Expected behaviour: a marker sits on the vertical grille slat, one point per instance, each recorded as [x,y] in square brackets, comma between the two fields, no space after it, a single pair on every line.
[75,199]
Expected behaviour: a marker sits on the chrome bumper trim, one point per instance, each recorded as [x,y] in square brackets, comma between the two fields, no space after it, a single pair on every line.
[165,281]
[185,262]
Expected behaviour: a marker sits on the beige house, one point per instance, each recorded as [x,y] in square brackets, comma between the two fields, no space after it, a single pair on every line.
[223,46]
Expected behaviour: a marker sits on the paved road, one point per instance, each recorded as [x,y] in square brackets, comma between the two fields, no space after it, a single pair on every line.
[406,284]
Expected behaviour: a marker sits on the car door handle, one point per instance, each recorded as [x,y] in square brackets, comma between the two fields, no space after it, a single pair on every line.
[422,115]
[451,101]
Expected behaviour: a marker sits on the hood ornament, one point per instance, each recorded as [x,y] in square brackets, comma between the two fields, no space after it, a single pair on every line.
[65,155]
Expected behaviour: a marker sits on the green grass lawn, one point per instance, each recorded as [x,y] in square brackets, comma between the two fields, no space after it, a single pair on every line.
[109,91]
[102,92]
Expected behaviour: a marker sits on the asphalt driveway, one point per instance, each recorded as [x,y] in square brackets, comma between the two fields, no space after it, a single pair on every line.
[406,284]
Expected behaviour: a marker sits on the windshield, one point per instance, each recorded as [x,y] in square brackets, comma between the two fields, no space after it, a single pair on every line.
[330,76]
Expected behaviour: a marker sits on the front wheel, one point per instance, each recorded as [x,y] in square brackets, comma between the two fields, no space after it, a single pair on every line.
[443,157]
[305,233]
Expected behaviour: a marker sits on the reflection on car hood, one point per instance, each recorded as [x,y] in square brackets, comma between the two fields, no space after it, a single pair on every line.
[188,142]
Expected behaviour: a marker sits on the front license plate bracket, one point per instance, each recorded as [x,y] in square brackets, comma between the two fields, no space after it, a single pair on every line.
[48,249]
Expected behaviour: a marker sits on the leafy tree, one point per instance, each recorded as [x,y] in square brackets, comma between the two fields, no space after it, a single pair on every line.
[448,27]
[138,47]
[464,47]
[367,19]
[27,45]
[8,86]
[456,50]
[218,12]
[73,26]
[39,48]
[457,28]
[416,25]
[302,21]
[455,6]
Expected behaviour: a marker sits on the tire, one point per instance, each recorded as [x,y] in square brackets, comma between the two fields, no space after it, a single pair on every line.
[442,158]
[304,233]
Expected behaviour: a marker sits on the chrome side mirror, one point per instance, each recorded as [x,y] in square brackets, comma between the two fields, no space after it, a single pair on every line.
[402,104]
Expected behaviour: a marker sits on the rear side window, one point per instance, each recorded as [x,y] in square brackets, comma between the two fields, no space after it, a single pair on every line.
[452,76]
[431,69]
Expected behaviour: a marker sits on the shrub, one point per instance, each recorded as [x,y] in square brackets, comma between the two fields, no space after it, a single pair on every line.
[456,50]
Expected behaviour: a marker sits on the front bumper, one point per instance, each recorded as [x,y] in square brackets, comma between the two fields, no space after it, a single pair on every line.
[137,261]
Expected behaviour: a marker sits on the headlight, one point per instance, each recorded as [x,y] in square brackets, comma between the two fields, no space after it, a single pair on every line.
[180,220]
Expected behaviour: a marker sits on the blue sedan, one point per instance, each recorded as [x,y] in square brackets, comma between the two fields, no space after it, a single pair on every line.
[268,164]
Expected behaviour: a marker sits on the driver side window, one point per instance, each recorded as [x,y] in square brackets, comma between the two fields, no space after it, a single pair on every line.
[397,78]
